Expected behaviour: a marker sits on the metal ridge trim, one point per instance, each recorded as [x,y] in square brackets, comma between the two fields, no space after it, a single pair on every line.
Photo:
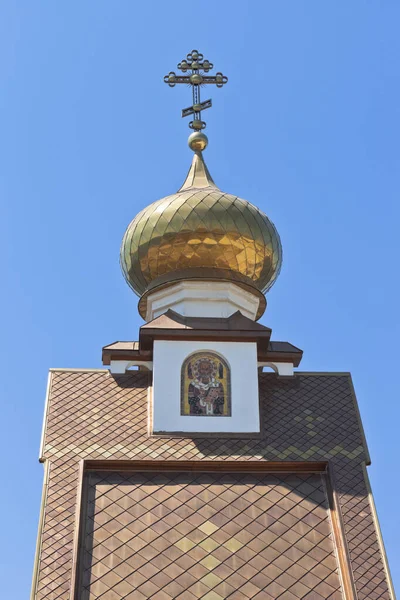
[379,533]
[341,373]
[45,414]
[54,370]
[359,420]
[43,502]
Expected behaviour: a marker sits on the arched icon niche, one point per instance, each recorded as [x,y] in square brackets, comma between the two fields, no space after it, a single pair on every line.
[205,386]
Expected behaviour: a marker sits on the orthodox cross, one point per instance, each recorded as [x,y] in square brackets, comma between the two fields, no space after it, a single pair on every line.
[197,67]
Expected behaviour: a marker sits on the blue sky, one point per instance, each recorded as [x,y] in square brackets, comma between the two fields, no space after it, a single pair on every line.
[307,129]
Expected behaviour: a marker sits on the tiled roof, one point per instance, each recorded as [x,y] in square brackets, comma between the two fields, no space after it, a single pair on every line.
[236,322]
[283,347]
[125,346]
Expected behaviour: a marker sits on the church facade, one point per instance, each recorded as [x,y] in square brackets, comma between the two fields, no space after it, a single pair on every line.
[182,470]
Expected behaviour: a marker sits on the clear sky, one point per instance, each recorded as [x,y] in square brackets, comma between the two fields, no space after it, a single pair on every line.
[307,129]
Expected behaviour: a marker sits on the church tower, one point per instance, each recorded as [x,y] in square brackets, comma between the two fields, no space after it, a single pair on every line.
[182,470]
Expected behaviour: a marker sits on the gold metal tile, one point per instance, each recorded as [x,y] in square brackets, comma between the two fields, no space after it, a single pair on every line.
[208,527]
[185,544]
[233,545]
[212,596]
[209,545]
[211,580]
[195,216]
[210,562]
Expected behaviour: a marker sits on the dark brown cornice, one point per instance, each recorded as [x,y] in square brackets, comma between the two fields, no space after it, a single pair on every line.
[173,326]
[285,357]
[226,466]
[110,354]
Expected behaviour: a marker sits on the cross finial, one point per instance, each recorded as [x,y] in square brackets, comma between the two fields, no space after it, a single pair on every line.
[198,67]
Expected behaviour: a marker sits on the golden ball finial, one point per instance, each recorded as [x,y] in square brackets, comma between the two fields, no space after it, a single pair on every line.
[198,141]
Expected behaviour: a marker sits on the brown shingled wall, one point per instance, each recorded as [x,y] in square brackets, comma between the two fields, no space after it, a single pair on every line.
[207,535]
[311,417]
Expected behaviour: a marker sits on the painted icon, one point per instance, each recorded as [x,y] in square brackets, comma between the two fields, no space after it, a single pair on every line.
[205,386]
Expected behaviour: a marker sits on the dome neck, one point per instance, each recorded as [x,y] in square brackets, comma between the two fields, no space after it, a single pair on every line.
[203,298]
[199,176]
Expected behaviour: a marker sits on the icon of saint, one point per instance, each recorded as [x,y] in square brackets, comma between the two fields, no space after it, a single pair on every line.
[206,391]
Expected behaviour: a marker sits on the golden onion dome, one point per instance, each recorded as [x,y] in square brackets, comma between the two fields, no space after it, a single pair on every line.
[200,233]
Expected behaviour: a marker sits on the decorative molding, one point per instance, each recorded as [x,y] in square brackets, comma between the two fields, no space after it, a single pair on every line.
[229,466]
[203,299]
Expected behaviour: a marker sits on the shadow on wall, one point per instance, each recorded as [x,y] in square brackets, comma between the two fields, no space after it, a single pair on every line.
[307,417]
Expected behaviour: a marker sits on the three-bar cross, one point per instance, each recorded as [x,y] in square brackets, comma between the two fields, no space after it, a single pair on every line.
[198,67]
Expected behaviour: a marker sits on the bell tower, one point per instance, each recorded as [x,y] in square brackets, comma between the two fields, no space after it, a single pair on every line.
[182,470]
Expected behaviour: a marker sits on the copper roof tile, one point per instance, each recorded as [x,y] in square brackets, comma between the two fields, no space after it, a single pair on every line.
[281,521]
